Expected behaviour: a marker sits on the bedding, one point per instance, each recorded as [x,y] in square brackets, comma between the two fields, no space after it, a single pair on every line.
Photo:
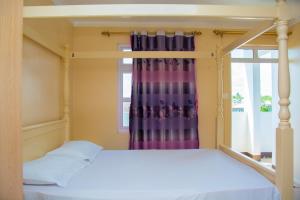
[161,175]
[78,148]
[51,170]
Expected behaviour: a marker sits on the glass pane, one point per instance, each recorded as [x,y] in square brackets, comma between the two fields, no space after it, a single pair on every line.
[239,86]
[127,61]
[266,87]
[126,106]
[127,85]
[268,53]
[242,53]
[252,115]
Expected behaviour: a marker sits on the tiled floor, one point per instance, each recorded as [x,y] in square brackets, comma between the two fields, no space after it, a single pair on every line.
[297,194]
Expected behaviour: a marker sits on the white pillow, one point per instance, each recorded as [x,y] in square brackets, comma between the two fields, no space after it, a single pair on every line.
[84,150]
[50,170]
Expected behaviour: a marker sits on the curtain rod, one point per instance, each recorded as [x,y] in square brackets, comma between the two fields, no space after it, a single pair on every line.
[240,32]
[109,33]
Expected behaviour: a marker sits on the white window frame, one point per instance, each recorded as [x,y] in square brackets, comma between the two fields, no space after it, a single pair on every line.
[256,61]
[255,58]
[122,68]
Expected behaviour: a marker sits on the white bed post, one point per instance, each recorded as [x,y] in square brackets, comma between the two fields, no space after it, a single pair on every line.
[284,132]
[220,117]
[66,61]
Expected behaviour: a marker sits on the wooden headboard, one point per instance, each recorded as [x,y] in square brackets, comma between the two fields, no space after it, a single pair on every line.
[41,138]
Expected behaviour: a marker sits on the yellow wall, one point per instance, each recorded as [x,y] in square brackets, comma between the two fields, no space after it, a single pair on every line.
[57,31]
[294,56]
[94,85]
[42,81]
[42,90]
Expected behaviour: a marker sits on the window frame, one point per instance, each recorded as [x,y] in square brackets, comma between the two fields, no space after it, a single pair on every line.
[255,58]
[122,68]
[255,61]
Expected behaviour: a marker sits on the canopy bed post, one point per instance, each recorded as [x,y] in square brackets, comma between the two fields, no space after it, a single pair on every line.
[284,132]
[66,62]
[220,117]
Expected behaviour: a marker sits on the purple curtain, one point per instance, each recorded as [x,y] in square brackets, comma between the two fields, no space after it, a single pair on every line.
[163,110]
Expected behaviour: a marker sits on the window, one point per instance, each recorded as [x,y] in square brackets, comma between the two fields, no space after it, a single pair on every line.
[254,111]
[242,53]
[252,64]
[124,92]
[267,53]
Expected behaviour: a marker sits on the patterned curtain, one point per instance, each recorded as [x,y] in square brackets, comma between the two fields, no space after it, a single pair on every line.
[163,110]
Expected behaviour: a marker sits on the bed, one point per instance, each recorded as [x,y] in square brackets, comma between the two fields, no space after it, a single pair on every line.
[161,175]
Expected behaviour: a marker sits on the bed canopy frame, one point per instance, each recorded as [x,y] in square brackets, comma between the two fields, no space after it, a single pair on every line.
[270,16]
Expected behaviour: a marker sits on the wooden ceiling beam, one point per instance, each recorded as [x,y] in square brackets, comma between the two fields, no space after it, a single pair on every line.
[250,35]
[150,10]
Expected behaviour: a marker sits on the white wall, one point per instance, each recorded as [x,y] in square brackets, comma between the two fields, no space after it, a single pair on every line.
[294,56]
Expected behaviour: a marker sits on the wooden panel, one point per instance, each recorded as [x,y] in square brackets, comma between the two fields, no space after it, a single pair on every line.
[268,173]
[10,93]
[42,138]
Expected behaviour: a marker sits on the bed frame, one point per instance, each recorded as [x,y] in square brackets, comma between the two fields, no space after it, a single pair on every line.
[41,138]
[271,16]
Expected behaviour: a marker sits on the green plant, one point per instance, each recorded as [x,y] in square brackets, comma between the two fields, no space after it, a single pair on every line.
[237,98]
[266,104]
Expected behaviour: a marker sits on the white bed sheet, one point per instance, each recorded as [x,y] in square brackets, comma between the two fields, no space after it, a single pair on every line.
[161,175]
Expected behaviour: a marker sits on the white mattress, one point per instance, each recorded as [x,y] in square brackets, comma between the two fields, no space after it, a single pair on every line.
[161,175]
